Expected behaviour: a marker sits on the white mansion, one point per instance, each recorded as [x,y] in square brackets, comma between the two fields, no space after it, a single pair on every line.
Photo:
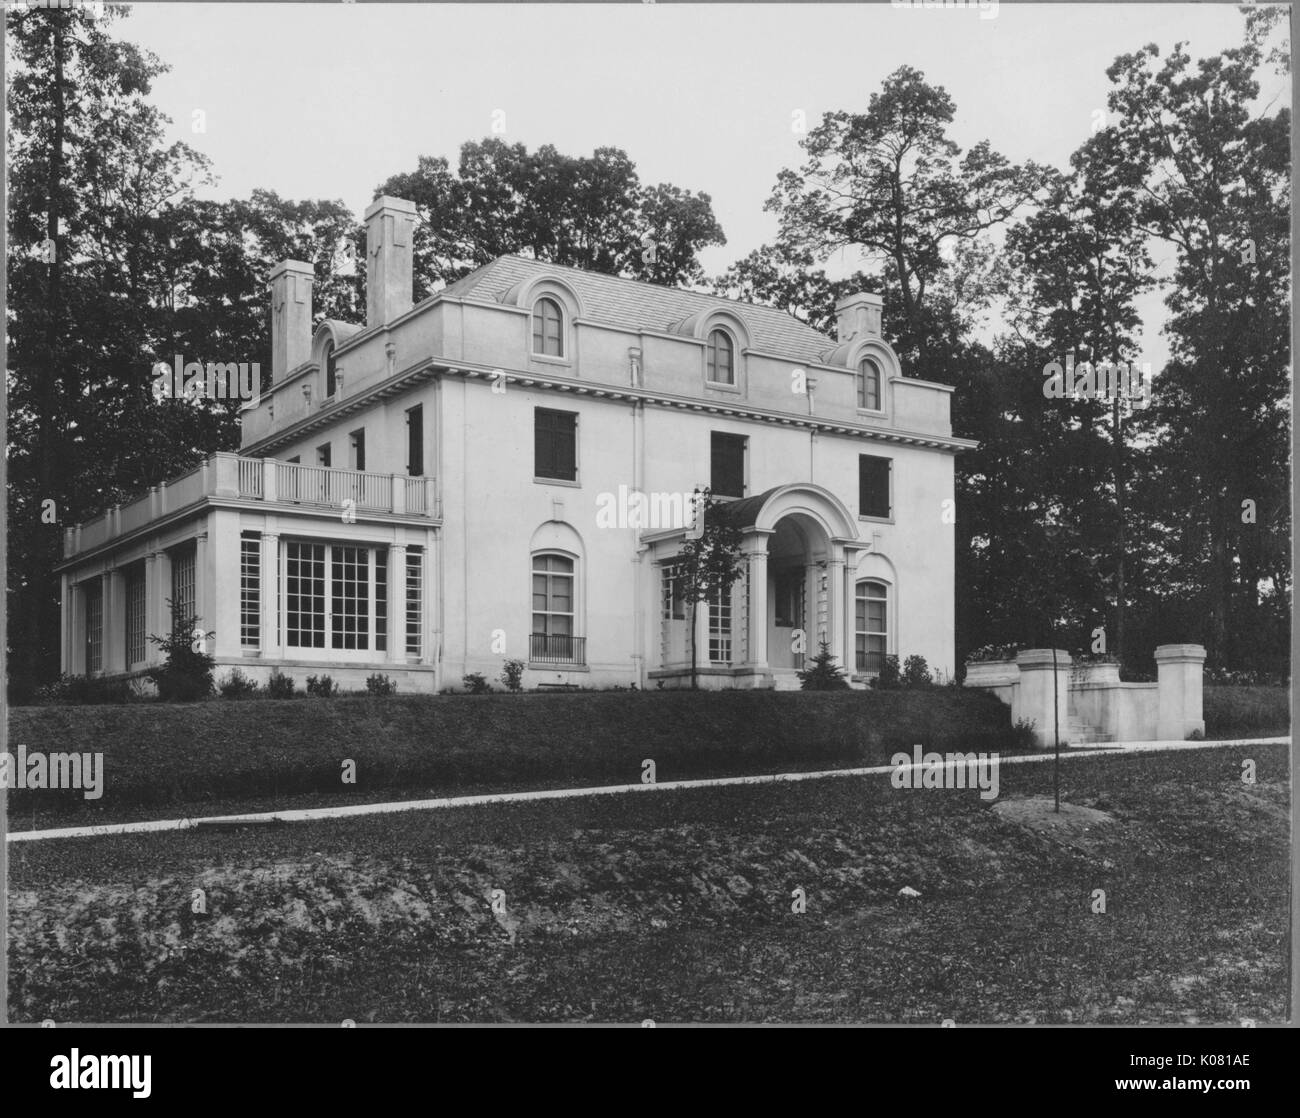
[449,486]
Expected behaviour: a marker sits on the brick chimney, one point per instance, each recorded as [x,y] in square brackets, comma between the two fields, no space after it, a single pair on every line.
[290,316]
[390,229]
[858,316]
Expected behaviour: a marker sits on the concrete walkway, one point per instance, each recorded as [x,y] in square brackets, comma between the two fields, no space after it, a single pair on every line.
[307,815]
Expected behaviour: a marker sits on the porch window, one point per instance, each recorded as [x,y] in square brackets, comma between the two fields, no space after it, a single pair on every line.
[872,633]
[335,596]
[182,584]
[414,601]
[250,590]
[720,626]
[135,634]
[674,605]
[94,592]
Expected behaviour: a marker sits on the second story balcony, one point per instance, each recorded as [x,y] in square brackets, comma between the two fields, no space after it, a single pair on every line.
[228,476]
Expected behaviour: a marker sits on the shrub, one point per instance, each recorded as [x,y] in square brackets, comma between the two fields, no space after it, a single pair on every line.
[513,675]
[77,690]
[1246,712]
[321,686]
[988,652]
[889,677]
[380,685]
[916,672]
[1022,739]
[824,674]
[279,686]
[475,683]
[187,674]
[238,686]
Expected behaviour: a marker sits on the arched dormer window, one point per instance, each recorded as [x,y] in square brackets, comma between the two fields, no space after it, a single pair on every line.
[720,357]
[331,371]
[870,384]
[548,328]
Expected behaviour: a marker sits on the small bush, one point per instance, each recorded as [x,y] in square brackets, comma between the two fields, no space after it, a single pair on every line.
[80,690]
[889,677]
[380,685]
[513,676]
[475,683]
[187,673]
[1246,712]
[321,686]
[279,686]
[916,672]
[238,686]
[824,674]
[1022,739]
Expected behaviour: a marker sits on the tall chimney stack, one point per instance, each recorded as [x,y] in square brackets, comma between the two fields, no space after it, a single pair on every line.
[858,316]
[291,282]
[390,228]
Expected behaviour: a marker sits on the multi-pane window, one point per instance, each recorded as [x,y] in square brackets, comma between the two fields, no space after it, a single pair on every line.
[727,473]
[553,611]
[250,590]
[555,444]
[414,600]
[94,600]
[869,385]
[873,486]
[720,626]
[871,629]
[548,328]
[349,597]
[135,618]
[415,441]
[182,585]
[381,600]
[720,355]
[304,594]
[674,600]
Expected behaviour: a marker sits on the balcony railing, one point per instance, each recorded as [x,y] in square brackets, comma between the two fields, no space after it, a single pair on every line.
[259,479]
[556,649]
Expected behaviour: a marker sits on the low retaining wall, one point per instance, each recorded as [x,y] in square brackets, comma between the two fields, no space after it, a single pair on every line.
[1091,695]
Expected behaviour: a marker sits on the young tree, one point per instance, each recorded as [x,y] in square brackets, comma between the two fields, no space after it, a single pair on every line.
[708,564]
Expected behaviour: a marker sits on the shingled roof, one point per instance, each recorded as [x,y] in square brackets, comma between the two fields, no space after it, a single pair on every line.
[637,305]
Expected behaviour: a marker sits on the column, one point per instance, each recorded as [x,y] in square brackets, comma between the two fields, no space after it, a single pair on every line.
[1035,694]
[225,583]
[1179,691]
[65,624]
[757,638]
[202,592]
[397,603]
[157,622]
[849,610]
[77,630]
[834,575]
[270,596]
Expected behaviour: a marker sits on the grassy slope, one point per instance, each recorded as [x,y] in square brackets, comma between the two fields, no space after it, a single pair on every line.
[676,906]
[165,760]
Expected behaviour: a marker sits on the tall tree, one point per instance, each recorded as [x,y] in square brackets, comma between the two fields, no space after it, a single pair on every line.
[587,212]
[1207,172]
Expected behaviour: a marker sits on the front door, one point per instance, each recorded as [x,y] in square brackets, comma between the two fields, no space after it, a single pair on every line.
[788,609]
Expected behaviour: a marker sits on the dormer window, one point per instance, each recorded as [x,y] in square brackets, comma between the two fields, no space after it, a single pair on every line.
[721,358]
[548,328]
[331,372]
[869,384]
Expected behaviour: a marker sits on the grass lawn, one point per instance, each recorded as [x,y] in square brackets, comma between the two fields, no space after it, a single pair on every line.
[676,906]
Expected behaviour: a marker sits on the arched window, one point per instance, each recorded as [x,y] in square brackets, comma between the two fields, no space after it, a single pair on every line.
[554,639]
[548,328]
[872,628]
[331,373]
[869,382]
[721,356]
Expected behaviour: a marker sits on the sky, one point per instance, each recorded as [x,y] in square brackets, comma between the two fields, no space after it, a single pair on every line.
[326,100]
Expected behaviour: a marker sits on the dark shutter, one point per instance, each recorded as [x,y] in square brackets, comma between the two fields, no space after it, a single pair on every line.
[873,485]
[727,473]
[555,444]
[415,441]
